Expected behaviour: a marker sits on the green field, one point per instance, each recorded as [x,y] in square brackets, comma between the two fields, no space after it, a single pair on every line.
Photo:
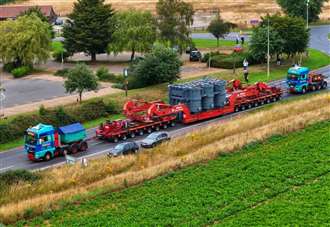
[282,181]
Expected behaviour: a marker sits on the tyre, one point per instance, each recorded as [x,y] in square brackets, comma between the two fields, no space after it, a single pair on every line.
[83,146]
[325,84]
[243,107]
[132,135]
[141,133]
[314,88]
[74,148]
[268,100]
[115,139]
[172,123]
[124,137]
[165,126]
[157,128]
[262,102]
[303,91]
[256,104]
[48,156]
[236,108]
[249,106]
[274,99]
[149,130]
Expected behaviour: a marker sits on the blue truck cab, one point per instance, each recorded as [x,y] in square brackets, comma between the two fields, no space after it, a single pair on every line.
[297,79]
[301,80]
[44,142]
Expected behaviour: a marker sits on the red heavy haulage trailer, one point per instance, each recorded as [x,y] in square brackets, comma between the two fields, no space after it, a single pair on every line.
[145,117]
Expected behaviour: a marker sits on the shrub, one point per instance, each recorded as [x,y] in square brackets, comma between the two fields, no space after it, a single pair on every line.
[103,74]
[8,67]
[211,54]
[227,61]
[21,71]
[91,110]
[62,72]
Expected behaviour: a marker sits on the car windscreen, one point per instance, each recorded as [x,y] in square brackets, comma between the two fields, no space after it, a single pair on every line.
[120,146]
[152,136]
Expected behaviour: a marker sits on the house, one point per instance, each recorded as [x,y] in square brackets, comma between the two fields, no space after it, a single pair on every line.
[11,12]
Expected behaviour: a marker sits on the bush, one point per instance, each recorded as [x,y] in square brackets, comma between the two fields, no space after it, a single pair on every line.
[8,67]
[62,72]
[103,74]
[211,54]
[227,61]
[21,71]
[15,176]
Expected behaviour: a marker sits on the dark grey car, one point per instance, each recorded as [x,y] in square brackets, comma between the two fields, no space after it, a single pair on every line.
[154,139]
[124,149]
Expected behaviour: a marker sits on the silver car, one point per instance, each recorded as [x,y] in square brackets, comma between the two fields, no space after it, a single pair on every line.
[154,139]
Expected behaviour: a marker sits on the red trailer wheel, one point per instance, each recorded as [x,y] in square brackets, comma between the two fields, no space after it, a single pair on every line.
[115,139]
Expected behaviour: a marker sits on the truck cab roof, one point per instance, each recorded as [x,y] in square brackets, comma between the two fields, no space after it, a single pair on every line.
[40,129]
[298,70]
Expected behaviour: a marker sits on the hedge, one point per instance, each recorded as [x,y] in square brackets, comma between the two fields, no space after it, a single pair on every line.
[227,61]
[90,110]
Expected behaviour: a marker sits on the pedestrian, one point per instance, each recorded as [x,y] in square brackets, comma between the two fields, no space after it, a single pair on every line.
[278,60]
[246,75]
[245,64]
[242,40]
[237,39]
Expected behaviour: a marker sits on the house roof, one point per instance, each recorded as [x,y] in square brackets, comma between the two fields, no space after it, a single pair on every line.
[14,11]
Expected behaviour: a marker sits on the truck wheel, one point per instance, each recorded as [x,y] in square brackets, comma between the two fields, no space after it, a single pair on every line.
[157,128]
[314,87]
[303,91]
[172,123]
[165,126]
[249,106]
[141,133]
[124,137]
[47,157]
[243,107]
[132,135]
[74,149]
[236,108]
[115,139]
[83,146]
[149,130]
[325,84]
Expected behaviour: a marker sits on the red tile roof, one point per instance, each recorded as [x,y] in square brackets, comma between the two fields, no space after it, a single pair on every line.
[14,11]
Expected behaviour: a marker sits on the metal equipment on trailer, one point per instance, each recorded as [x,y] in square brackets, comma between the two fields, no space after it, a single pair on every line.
[186,106]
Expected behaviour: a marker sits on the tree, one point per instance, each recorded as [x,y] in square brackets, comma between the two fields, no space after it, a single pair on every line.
[37,11]
[135,31]
[80,79]
[174,19]
[161,65]
[258,43]
[218,28]
[296,8]
[90,28]
[24,41]
[292,31]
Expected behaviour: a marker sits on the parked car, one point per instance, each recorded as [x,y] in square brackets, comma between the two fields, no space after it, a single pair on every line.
[154,139]
[124,149]
[195,55]
[190,48]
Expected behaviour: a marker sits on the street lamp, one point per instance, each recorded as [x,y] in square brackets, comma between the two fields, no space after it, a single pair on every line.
[307,3]
[268,47]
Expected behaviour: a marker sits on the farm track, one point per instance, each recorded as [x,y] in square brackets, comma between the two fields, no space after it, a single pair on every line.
[17,159]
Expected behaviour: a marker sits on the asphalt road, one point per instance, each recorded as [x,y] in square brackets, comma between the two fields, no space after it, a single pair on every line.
[17,158]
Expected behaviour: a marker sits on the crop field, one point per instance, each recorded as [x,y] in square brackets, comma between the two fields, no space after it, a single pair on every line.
[282,181]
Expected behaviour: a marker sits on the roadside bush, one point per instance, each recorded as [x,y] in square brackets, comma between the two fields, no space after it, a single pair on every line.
[227,61]
[15,176]
[207,56]
[62,72]
[8,67]
[21,71]
[103,74]
[91,110]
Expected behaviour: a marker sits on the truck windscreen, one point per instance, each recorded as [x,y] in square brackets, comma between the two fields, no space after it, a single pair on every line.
[30,139]
[292,77]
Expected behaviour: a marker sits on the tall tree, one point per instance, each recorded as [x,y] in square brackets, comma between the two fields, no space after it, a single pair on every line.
[218,28]
[90,28]
[258,43]
[298,8]
[135,31]
[292,31]
[174,20]
[80,79]
[24,41]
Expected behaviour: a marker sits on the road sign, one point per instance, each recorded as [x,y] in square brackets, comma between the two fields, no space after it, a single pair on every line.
[70,159]
[125,72]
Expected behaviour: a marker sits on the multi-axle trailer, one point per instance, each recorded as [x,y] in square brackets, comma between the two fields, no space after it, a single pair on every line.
[145,117]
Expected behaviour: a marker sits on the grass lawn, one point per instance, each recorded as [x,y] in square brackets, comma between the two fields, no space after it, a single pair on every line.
[282,181]
[328,35]
[212,43]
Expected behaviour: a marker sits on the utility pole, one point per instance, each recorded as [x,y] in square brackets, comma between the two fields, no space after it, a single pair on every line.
[307,4]
[268,46]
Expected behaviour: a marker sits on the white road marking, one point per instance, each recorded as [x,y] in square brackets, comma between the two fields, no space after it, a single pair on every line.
[8,167]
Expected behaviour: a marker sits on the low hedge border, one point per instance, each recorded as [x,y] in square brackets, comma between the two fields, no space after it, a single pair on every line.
[89,110]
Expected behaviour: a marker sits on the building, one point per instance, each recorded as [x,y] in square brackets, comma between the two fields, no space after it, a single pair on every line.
[11,12]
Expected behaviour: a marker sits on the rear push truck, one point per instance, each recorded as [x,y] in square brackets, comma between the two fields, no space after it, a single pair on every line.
[301,80]
[44,142]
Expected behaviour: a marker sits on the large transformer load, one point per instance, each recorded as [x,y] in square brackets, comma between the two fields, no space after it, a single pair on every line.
[199,95]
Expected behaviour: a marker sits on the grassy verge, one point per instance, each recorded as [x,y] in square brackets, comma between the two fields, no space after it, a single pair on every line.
[212,43]
[103,175]
[282,181]
[328,35]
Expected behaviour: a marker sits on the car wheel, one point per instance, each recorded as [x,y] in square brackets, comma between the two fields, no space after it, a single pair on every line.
[325,84]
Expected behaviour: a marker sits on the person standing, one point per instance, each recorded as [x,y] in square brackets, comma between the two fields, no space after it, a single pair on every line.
[237,39]
[245,64]
[245,70]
